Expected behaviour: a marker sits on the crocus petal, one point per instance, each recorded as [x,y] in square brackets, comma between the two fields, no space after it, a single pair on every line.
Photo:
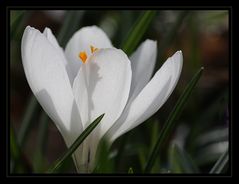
[151,98]
[48,80]
[142,63]
[52,39]
[84,156]
[81,41]
[102,86]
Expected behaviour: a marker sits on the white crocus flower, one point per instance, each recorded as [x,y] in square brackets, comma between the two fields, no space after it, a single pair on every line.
[90,78]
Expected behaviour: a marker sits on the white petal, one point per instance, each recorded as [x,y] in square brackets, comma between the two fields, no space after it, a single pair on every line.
[81,41]
[142,63]
[85,156]
[102,86]
[52,39]
[151,98]
[47,77]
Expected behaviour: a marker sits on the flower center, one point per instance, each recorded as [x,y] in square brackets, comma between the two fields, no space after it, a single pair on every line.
[83,56]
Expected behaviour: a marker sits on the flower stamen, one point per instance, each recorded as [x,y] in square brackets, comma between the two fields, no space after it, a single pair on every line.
[83,56]
[93,49]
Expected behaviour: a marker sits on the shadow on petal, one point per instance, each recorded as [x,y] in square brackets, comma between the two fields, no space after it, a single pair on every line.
[76,128]
[132,117]
[47,104]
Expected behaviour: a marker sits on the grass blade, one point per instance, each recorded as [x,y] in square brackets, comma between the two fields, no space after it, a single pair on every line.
[221,164]
[126,18]
[31,110]
[119,156]
[19,163]
[14,149]
[169,124]
[76,144]
[16,18]
[180,161]
[38,161]
[130,171]
[169,37]
[72,21]
[137,31]
[104,163]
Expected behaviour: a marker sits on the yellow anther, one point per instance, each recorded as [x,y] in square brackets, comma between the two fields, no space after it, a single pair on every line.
[83,56]
[93,49]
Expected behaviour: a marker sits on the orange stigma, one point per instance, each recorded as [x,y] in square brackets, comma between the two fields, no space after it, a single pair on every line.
[83,56]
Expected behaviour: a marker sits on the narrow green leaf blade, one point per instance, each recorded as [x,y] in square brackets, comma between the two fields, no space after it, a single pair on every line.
[16,18]
[130,171]
[76,144]
[70,25]
[31,110]
[169,36]
[121,149]
[170,123]
[38,159]
[137,31]
[104,163]
[180,161]
[221,164]
[18,160]
[14,148]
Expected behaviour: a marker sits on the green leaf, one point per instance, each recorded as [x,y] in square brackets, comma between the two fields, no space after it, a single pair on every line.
[38,159]
[14,148]
[208,115]
[126,18]
[70,25]
[121,149]
[31,110]
[16,18]
[130,171]
[137,31]
[221,164]
[180,161]
[170,123]
[142,156]
[76,144]
[169,36]
[104,162]
[18,160]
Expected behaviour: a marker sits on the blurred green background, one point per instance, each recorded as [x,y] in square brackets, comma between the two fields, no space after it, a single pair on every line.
[201,134]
